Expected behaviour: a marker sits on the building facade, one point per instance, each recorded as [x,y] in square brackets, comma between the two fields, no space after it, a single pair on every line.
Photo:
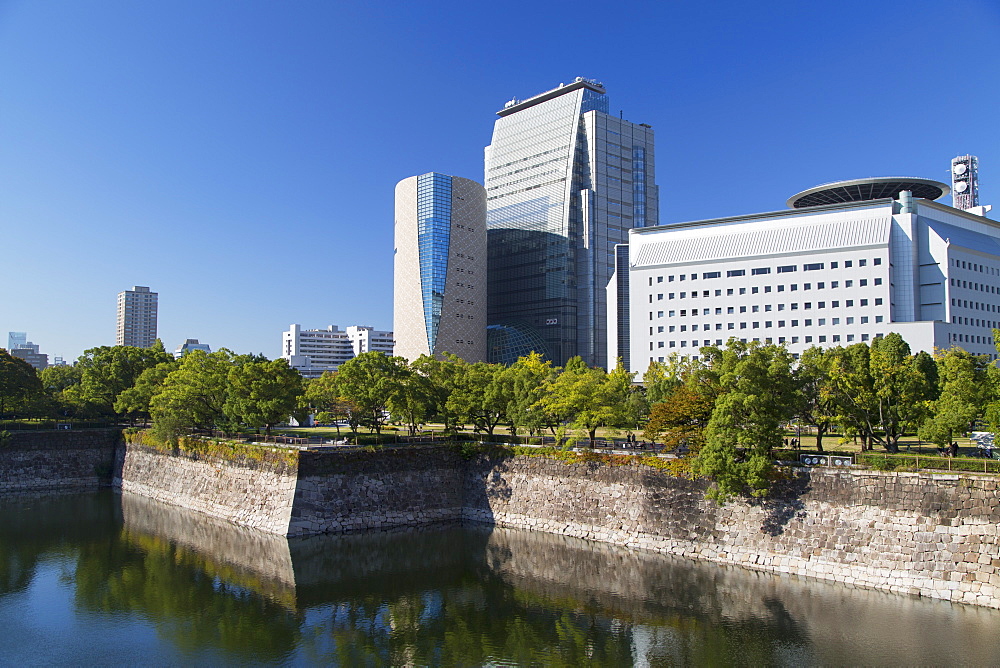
[826,273]
[565,182]
[18,345]
[312,352]
[136,317]
[439,268]
[189,345]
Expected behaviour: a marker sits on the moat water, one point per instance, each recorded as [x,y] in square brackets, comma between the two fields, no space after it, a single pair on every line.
[109,579]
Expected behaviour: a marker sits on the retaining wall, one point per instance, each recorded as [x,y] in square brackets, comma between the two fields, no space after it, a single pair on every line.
[64,460]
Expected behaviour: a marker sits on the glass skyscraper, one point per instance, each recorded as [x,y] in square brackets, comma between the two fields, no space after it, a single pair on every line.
[565,181]
[440,267]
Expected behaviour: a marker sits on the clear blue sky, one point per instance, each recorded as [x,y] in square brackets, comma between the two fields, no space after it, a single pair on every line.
[240,157]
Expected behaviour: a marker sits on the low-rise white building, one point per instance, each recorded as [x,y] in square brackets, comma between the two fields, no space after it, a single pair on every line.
[314,351]
[849,262]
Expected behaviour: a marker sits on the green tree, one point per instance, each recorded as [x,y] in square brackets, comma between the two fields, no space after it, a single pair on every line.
[193,396]
[480,396]
[134,401]
[587,398]
[108,371]
[414,400]
[965,394]
[818,405]
[369,383]
[758,395]
[323,398]
[19,383]
[661,378]
[443,376]
[526,382]
[681,418]
[262,393]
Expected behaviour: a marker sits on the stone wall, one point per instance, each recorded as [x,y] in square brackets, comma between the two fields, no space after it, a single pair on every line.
[925,534]
[62,460]
[356,491]
[253,494]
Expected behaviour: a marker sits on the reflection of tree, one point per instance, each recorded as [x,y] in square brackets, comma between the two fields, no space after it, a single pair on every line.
[196,611]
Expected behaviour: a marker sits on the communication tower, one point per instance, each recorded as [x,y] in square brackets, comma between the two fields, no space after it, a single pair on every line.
[965,181]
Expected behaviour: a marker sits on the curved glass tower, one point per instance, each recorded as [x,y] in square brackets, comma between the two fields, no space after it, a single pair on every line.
[440,267]
[565,181]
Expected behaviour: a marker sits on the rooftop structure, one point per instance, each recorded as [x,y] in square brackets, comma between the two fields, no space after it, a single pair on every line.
[863,190]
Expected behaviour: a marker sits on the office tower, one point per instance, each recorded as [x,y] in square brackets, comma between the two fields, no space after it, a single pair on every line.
[16,340]
[312,352]
[565,181]
[136,317]
[965,182]
[188,346]
[439,288]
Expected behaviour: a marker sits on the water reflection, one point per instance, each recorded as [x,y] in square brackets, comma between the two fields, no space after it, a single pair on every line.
[152,583]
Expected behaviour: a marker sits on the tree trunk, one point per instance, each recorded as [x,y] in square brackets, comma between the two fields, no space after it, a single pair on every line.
[819,438]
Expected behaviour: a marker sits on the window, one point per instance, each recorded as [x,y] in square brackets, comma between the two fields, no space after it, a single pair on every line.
[847,264]
[795,339]
[759,271]
[754,290]
[834,284]
[820,285]
[836,338]
[807,286]
[755,309]
[863,282]
[795,323]
[659,297]
[729,292]
[862,263]
[718,311]
[814,266]
[712,274]
[795,306]
[659,279]
[786,269]
[821,322]
[781,307]
[794,287]
[833,265]
[670,295]
[807,305]
[736,272]
[822,339]
[849,303]
[864,320]
[809,339]
[659,314]
[864,337]
[670,279]
[878,318]
[730,309]
[809,322]
[877,261]
[743,309]
[767,307]
[834,304]
[756,325]
[848,284]
[781,288]
[878,281]
[743,325]
[731,325]
[850,321]
[718,293]
[864,302]
[659,330]
[781,323]
[743,291]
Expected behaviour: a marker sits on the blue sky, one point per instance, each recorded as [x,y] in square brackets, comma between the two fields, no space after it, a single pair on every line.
[240,157]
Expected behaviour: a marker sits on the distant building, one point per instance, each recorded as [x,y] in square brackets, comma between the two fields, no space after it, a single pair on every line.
[16,340]
[565,182]
[314,351]
[19,346]
[439,282]
[136,317]
[189,345]
[847,263]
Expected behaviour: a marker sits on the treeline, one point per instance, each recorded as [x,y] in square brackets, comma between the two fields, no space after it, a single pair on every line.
[725,411]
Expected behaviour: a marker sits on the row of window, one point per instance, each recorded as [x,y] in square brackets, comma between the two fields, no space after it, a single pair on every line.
[821,285]
[976,306]
[971,338]
[973,266]
[982,287]
[807,322]
[761,271]
[794,306]
[973,322]
[821,338]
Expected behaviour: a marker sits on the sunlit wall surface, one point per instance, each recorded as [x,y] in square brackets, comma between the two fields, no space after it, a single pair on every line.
[565,181]
[440,267]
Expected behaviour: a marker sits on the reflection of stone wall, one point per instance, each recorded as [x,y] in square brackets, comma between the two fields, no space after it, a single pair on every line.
[259,497]
[63,460]
[932,535]
[262,558]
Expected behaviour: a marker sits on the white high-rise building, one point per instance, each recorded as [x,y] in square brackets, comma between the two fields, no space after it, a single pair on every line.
[314,351]
[565,182]
[847,262]
[439,286]
[136,317]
